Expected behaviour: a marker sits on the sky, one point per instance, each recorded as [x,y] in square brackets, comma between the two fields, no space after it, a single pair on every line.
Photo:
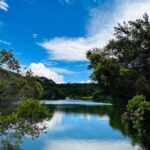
[51,37]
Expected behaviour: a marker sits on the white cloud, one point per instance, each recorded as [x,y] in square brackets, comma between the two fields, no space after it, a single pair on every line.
[42,71]
[5,42]
[63,71]
[71,49]
[132,10]
[3,5]
[51,65]
[99,30]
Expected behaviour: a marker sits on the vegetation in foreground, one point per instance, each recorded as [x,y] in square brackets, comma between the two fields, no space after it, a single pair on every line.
[27,119]
[137,120]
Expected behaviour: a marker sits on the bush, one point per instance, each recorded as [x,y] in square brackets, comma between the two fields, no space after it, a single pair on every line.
[32,110]
[135,102]
[137,119]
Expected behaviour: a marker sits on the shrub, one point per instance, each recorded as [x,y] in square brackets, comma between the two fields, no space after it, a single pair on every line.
[137,119]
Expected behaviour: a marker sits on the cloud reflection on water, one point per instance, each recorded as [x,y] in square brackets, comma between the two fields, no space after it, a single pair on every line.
[88,145]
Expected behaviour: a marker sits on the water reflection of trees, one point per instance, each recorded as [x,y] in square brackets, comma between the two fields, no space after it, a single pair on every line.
[27,119]
[114,113]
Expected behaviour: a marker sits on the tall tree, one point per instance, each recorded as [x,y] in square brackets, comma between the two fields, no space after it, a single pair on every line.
[122,67]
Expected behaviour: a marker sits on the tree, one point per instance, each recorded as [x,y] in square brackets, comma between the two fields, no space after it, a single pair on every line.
[132,45]
[123,65]
[27,119]
[137,119]
[8,60]
[29,73]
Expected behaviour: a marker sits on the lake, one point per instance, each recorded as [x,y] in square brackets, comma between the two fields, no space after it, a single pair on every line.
[79,125]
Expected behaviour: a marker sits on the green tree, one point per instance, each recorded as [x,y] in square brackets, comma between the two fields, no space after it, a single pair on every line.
[7,59]
[23,121]
[132,45]
[137,120]
[122,67]
[29,73]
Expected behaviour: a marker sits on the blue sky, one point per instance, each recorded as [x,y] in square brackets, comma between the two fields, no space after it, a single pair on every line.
[52,36]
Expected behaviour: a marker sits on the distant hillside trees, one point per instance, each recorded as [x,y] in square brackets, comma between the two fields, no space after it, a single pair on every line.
[78,90]
[14,86]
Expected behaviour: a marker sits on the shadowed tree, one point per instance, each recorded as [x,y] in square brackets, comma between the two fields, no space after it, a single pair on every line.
[122,67]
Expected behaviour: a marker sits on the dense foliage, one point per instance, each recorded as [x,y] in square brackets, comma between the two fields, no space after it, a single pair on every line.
[137,120]
[14,87]
[27,119]
[122,67]
[78,90]
[50,89]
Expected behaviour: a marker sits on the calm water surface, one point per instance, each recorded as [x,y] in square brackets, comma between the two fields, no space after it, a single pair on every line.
[79,125]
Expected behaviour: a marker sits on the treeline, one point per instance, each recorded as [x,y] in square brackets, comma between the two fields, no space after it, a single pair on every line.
[14,86]
[51,90]
[79,90]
